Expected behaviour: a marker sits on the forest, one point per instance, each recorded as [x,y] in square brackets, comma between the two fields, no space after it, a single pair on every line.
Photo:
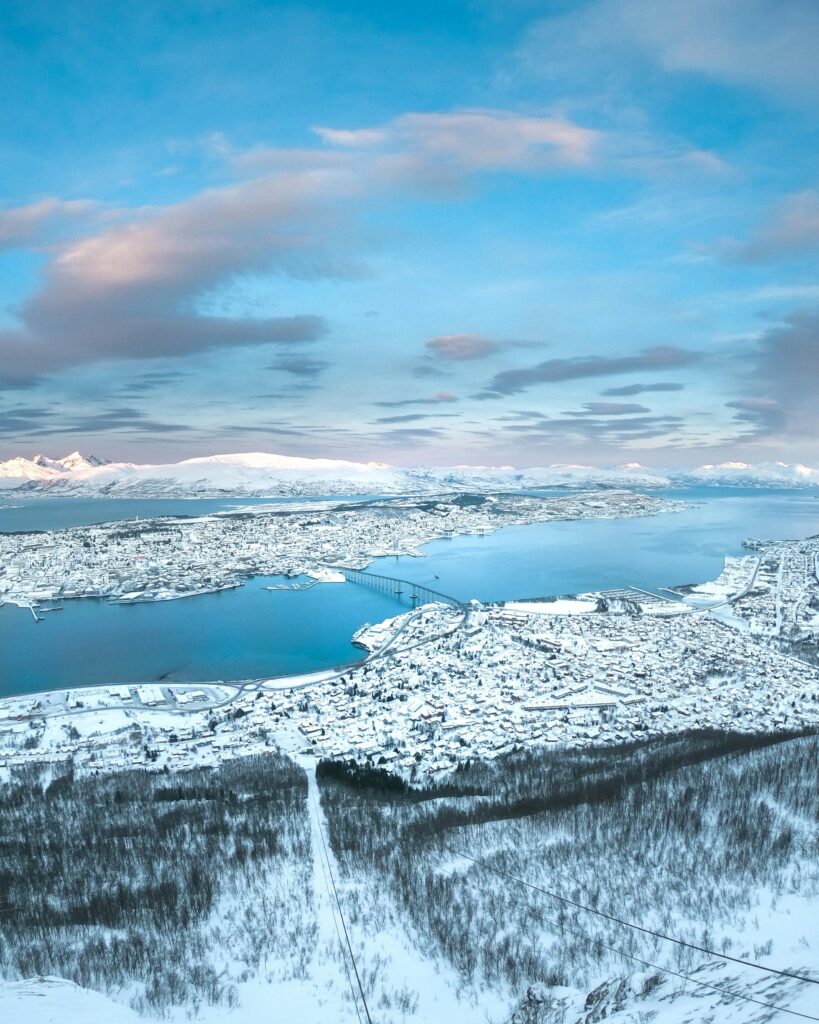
[564,883]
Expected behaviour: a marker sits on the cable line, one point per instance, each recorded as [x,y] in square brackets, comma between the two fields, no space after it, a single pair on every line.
[654,967]
[341,915]
[637,927]
[338,930]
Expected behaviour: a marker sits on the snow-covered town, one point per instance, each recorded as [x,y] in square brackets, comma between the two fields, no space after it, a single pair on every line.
[172,557]
[446,683]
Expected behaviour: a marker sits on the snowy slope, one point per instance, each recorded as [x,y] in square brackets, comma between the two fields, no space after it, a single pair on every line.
[57,1001]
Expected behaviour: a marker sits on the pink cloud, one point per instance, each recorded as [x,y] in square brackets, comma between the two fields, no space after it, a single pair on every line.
[461,346]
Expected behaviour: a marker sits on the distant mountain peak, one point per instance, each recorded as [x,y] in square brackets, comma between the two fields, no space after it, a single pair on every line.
[268,474]
[76,460]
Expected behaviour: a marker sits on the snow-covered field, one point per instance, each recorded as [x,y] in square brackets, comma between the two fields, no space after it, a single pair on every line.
[50,1000]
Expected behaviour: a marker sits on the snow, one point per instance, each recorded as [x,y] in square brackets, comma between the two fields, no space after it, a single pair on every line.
[742,474]
[57,1001]
[260,473]
[563,606]
[326,575]
[241,473]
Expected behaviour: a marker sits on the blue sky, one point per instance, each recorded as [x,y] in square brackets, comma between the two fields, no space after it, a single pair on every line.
[518,232]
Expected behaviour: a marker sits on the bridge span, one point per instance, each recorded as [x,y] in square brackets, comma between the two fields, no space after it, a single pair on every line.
[406,589]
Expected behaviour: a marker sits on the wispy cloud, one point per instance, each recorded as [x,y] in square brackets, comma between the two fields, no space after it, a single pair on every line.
[782,396]
[26,225]
[638,389]
[610,409]
[439,146]
[791,229]
[298,365]
[441,396]
[26,422]
[461,346]
[660,357]
[600,431]
[767,45]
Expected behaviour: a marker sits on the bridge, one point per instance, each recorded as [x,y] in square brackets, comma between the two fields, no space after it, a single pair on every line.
[405,589]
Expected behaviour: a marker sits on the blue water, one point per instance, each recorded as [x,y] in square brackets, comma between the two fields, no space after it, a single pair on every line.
[572,557]
[234,634]
[251,632]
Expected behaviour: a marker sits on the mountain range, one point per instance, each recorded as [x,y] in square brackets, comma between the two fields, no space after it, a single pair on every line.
[265,475]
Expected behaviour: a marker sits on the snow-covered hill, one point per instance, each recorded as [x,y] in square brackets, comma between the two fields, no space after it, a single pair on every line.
[263,474]
[741,474]
[249,473]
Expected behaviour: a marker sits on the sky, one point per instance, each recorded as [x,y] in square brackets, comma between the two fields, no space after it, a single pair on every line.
[498,232]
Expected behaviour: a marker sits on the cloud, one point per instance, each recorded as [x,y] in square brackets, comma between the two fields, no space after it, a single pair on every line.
[442,153]
[18,382]
[425,369]
[767,45]
[24,225]
[134,288]
[638,389]
[262,428]
[407,417]
[120,419]
[599,430]
[610,409]
[430,145]
[660,357]
[414,417]
[144,383]
[23,420]
[434,153]
[783,394]
[29,422]
[130,290]
[442,396]
[764,415]
[59,336]
[792,228]
[408,435]
[461,346]
[353,137]
[299,365]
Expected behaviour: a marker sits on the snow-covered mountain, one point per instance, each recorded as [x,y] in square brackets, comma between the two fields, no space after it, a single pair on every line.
[741,474]
[500,477]
[244,474]
[43,468]
[262,474]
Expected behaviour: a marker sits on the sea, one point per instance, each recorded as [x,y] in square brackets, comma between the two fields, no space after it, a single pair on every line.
[251,632]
